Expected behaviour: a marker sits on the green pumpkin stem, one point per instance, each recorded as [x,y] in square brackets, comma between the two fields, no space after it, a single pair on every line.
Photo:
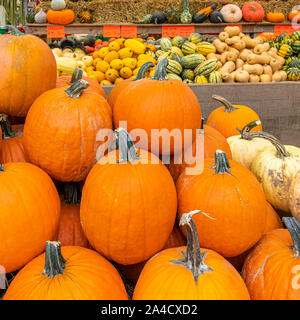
[77,75]
[248,128]
[161,70]
[221,162]
[127,150]
[54,261]
[193,258]
[72,193]
[281,151]
[143,69]
[77,89]
[294,229]
[7,131]
[228,106]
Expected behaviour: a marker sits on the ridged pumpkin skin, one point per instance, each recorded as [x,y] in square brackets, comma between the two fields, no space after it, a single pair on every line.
[270,270]
[28,69]
[235,202]
[29,213]
[60,132]
[213,140]
[128,209]
[294,196]
[226,120]
[12,150]
[87,276]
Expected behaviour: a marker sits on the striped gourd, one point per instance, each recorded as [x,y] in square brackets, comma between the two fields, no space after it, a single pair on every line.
[165,44]
[188,74]
[192,61]
[206,67]
[205,48]
[215,77]
[174,67]
[162,56]
[176,57]
[158,53]
[285,50]
[296,46]
[287,41]
[294,63]
[176,50]
[195,38]
[173,76]
[178,41]
[293,74]
[151,54]
[296,35]
[187,81]
[188,48]
[200,79]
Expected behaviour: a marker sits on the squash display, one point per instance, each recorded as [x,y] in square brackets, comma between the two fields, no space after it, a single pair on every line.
[200,274]
[294,196]
[159,104]
[129,203]
[230,199]
[61,128]
[82,274]
[29,214]
[271,270]
[27,62]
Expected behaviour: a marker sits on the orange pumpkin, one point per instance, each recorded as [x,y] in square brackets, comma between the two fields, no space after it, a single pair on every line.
[209,143]
[61,128]
[186,273]
[275,17]
[65,16]
[232,201]
[157,104]
[129,203]
[294,15]
[229,117]
[28,69]
[115,92]
[69,232]
[63,81]
[29,213]
[67,273]
[271,270]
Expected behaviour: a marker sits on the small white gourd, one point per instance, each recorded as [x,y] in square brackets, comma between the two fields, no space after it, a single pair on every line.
[40,17]
[58,4]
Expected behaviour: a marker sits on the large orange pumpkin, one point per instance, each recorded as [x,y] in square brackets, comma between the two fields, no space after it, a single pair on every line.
[207,141]
[65,16]
[272,270]
[67,273]
[232,201]
[188,273]
[117,89]
[28,69]
[228,118]
[163,108]
[129,204]
[29,213]
[61,129]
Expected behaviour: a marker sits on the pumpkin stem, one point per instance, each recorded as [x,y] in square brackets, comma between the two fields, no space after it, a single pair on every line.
[248,128]
[127,150]
[77,75]
[228,106]
[221,162]
[143,69]
[193,258]
[72,192]
[294,229]
[281,151]
[161,70]
[77,88]
[7,131]
[14,31]
[54,261]
[1,167]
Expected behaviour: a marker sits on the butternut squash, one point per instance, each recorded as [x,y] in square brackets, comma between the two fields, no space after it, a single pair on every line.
[254,78]
[231,41]
[276,64]
[256,69]
[268,70]
[228,77]
[239,63]
[252,43]
[220,46]
[242,76]
[232,31]
[228,67]
[239,45]
[265,78]
[260,48]
[245,54]
[223,36]
[261,59]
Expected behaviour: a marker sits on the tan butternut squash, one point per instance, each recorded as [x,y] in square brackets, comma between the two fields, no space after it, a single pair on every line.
[252,43]
[228,67]
[239,45]
[239,63]
[242,76]
[223,36]
[245,54]
[265,78]
[256,69]
[268,70]
[254,78]
[260,48]
[232,31]
[220,46]
[261,59]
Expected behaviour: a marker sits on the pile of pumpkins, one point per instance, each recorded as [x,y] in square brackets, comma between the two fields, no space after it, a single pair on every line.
[210,234]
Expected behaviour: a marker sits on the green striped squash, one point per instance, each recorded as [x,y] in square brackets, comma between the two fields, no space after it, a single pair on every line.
[176,57]
[206,67]
[296,46]
[296,35]
[188,48]
[215,77]
[293,74]
[192,61]
[205,48]
[188,74]
[295,63]
[200,79]
[165,44]
[195,38]
[178,41]
[174,67]
[158,53]
[176,50]
[173,76]
[285,51]
[151,54]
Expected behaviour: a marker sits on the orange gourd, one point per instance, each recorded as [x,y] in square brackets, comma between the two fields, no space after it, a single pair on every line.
[65,16]
[271,270]
[275,17]
[186,273]
[28,69]
[29,213]
[232,201]
[229,117]
[61,128]
[294,16]
[67,273]
[129,203]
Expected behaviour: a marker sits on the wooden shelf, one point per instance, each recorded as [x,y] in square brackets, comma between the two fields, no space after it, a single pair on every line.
[97,29]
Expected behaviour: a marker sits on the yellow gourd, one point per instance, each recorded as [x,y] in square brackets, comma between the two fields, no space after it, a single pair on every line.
[125,53]
[65,66]
[87,60]
[129,62]
[96,61]
[118,80]
[136,46]
[111,75]
[111,56]
[102,66]
[105,82]
[114,46]
[116,64]
[100,76]
[125,73]
[103,52]
[120,41]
